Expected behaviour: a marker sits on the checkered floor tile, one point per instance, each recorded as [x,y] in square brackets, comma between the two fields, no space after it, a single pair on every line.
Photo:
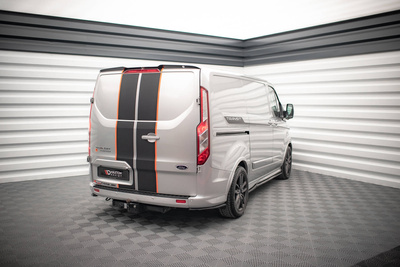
[308,220]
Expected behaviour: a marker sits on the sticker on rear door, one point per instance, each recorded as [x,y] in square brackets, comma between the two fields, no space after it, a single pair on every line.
[103,149]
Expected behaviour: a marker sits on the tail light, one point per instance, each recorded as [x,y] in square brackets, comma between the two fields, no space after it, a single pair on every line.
[203,132]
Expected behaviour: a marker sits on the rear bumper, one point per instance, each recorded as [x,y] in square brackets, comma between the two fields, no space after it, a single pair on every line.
[196,202]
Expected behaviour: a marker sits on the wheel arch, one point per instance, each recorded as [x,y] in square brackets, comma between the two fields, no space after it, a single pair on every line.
[240,163]
[236,197]
[288,145]
[244,165]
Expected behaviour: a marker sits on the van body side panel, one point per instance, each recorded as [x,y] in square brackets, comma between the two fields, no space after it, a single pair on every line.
[261,130]
[229,121]
[229,134]
[281,141]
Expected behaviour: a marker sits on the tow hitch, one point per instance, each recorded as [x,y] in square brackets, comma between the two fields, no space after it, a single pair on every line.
[136,208]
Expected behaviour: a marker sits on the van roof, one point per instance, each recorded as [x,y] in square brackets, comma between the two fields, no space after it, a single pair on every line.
[205,71]
[159,67]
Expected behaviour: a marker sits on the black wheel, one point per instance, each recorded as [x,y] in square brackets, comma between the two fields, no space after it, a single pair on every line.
[287,165]
[238,195]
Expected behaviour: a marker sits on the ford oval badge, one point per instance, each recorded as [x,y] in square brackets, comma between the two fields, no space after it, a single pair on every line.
[181,167]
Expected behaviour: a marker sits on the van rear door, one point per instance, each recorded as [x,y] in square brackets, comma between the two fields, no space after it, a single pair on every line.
[144,123]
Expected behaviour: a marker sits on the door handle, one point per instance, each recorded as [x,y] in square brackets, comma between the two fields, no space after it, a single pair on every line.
[151,137]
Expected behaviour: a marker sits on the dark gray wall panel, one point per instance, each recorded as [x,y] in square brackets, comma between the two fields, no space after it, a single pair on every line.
[115,51]
[378,33]
[325,52]
[116,29]
[109,39]
[35,33]
[390,18]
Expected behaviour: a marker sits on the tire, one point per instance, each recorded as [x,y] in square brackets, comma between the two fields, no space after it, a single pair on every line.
[238,195]
[286,165]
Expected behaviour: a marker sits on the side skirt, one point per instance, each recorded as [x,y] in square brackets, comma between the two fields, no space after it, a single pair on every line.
[262,180]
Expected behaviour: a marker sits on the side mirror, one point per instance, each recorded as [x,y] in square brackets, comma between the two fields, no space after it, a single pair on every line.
[289,111]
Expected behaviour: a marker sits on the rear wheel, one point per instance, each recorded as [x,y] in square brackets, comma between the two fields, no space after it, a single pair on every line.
[287,165]
[238,195]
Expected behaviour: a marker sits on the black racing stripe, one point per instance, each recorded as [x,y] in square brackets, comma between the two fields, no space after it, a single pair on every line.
[147,111]
[127,97]
[126,111]
[125,142]
[145,161]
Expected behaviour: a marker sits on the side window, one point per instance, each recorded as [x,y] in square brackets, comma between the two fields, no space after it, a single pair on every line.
[274,102]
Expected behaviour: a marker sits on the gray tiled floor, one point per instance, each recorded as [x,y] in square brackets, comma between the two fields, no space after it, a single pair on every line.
[308,220]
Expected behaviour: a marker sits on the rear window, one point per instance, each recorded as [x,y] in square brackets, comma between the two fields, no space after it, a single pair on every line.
[177,93]
[106,95]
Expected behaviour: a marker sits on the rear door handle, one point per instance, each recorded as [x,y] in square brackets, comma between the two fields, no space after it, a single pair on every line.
[151,137]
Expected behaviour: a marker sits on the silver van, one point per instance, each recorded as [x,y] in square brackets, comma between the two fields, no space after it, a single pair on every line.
[185,137]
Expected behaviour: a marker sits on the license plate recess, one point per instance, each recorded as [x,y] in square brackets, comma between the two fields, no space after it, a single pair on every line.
[112,173]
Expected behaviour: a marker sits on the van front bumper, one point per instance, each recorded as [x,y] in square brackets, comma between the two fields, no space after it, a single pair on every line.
[188,202]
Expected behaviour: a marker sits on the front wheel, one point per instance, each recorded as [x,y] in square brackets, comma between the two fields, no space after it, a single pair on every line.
[287,165]
[238,195]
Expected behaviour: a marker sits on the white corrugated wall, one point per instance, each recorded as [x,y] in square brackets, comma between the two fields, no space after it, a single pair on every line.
[44,112]
[43,115]
[347,114]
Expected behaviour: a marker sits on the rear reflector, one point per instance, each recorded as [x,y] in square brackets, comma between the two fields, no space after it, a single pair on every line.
[96,190]
[180,201]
